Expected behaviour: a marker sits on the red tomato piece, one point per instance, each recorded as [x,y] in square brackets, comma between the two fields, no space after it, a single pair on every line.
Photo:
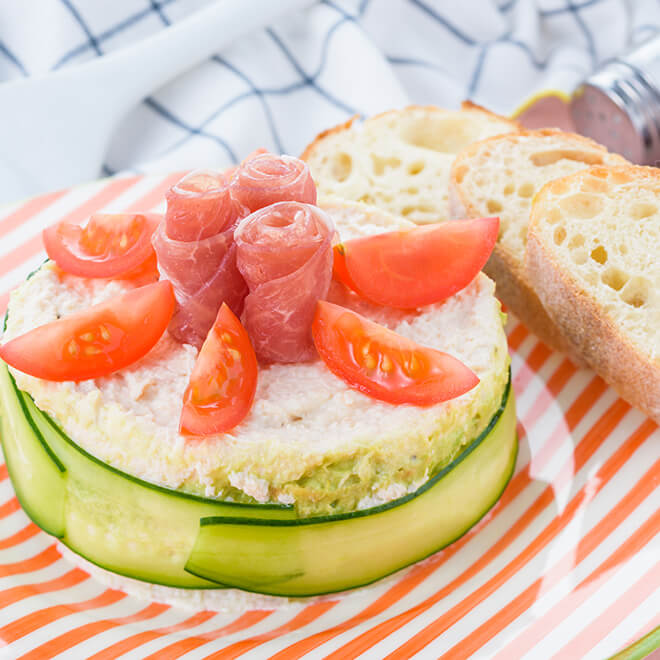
[383,364]
[109,245]
[224,379]
[146,273]
[339,270]
[97,341]
[416,267]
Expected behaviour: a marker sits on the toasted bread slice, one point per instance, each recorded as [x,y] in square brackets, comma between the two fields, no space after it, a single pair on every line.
[593,258]
[400,160]
[500,176]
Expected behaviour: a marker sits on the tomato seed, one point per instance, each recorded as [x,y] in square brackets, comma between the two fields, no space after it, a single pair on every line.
[412,366]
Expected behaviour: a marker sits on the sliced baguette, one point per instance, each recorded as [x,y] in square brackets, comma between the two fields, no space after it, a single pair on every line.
[500,176]
[593,258]
[400,160]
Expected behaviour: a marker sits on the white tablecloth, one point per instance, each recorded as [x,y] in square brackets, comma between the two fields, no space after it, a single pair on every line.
[278,87]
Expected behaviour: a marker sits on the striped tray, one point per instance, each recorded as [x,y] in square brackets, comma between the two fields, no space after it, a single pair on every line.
[566,565]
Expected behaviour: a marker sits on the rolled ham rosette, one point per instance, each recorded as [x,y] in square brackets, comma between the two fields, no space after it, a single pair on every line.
[201,205]
[196,252]
[264,178]
[284,252]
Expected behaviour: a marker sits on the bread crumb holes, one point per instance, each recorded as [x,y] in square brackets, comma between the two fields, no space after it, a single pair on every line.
[341,167]
[380,164]
[636,292]
[550,157]
[643,210]
[614,278]
[599,255]
[582,205]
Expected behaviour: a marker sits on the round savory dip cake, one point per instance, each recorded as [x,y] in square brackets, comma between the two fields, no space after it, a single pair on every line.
[309,440]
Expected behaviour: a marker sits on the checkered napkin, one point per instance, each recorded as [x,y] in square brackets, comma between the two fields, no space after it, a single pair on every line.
[281,85]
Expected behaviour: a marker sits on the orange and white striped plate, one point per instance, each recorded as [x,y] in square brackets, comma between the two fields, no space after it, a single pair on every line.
[567,564]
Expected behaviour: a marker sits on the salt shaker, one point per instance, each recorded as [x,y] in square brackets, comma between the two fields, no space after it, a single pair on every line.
[619,104]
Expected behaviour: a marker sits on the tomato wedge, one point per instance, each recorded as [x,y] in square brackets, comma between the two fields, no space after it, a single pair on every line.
[383,364]
[223,381]
[416,267]
[109,245]
[145,273]
[97,341]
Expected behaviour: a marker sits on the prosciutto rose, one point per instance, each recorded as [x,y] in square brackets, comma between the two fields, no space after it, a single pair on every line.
[284,252]
[265,178]
[196,252]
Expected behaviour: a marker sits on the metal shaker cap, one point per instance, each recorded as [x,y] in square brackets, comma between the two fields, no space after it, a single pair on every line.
[619,104]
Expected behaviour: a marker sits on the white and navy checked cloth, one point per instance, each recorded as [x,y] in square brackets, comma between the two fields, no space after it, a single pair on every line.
[281,85]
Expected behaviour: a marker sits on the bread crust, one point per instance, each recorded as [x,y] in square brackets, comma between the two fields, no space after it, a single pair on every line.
[513,285]
[324,134]
[588,329]
[466,106]
[539,132]
[592,334]
[470,106]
